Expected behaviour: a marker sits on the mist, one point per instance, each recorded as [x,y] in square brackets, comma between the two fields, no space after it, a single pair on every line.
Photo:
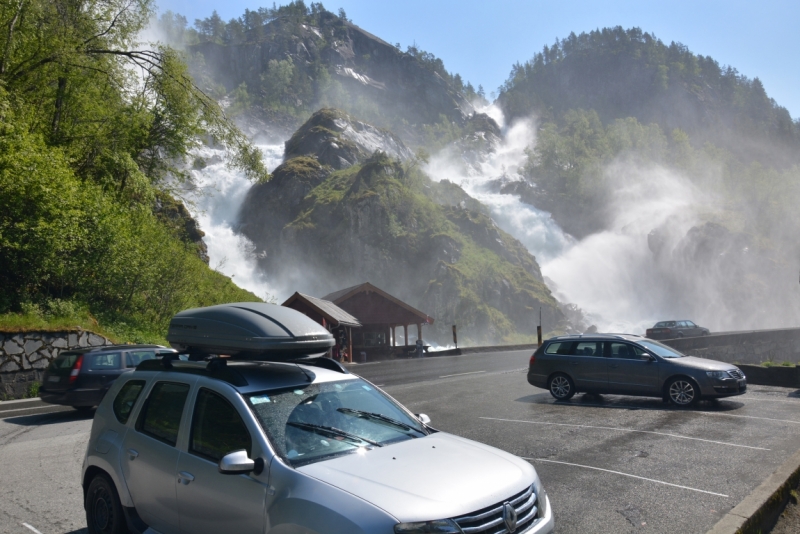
[660,256]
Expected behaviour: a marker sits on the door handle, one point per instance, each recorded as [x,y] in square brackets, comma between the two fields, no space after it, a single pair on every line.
[132,454]
[614,366]
[573,363]
[184,477]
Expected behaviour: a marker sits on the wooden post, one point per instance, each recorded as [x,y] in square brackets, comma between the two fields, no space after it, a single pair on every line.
[405,334]
[350,344]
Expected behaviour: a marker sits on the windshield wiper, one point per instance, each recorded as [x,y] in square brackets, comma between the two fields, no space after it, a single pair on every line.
[332,431]
[380,418]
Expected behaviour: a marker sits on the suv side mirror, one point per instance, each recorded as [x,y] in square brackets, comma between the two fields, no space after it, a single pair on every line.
[648,357]
[237,463]
[424,419]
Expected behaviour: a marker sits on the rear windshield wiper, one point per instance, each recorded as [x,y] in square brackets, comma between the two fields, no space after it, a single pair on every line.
[380,418]
[331,431]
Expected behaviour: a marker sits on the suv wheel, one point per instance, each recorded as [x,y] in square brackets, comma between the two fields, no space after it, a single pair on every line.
[103,509]
[682,392]
[561,387]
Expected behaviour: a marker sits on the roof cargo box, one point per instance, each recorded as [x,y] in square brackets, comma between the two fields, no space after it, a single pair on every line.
[248,329]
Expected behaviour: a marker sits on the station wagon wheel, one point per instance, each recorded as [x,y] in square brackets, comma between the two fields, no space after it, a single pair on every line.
[103,509]
[561,387]
[682,392]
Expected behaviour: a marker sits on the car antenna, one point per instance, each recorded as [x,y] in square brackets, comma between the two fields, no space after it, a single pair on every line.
[308,376]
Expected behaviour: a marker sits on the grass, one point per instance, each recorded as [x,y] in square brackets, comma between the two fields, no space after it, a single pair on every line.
[776,364]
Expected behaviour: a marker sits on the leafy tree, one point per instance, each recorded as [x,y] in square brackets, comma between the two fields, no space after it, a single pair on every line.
[75,68]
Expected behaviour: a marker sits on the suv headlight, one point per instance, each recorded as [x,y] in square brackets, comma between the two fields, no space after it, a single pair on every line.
[718,374]
[426,527]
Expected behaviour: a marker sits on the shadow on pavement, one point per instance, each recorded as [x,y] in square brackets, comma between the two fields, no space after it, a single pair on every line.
[590,400]
[50,418]
[79,531]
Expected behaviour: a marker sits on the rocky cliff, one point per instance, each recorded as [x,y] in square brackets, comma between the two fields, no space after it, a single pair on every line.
[330,60]
[340,211]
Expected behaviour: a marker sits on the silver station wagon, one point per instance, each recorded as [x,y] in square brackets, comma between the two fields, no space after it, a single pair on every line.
[629,365]
[233,444]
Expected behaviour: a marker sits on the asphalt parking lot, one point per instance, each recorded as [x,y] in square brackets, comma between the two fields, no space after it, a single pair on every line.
[621,464]
[609,463]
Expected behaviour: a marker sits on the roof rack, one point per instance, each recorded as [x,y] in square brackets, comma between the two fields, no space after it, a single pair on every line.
[216,367]
[325,363]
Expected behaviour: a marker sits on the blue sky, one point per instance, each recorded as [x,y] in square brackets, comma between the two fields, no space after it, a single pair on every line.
[482,40]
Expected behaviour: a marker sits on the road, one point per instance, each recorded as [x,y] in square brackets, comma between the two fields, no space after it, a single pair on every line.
[609,463]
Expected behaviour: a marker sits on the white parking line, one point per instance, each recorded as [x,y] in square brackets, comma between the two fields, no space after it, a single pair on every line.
[462,374]
[625,475]
[27,409]
[583,404]
[774,400]
[749,417]
[627,430]
[26,525]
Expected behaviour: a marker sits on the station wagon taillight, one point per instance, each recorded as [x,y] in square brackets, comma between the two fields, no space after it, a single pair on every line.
[533,358]
[76,369]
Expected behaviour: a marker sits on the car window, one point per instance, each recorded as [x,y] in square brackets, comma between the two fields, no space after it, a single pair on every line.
[653,347]
[62,365]
[690,324]
[623,350]
[135,357]
[217,428]
[559,347]
[588,348]
[683,324]
[100,362]
[321,421]
[661,324]
[126,399]
[161,414]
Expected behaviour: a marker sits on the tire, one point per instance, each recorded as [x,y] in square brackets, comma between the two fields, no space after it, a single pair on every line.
[561,387]
[680,334]
[103,509]
[682,392]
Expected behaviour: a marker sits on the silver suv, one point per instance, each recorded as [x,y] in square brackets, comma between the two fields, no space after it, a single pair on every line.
[626,364]
[218,446]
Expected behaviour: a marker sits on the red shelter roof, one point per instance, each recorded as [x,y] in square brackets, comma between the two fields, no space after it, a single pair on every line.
[372,305]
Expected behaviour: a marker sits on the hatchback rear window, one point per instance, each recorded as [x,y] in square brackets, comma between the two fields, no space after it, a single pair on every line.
[559,347]
[62,365]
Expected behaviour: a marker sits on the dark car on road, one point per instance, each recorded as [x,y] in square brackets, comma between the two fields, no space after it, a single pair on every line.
[675,329]
[80,378]
[627,364]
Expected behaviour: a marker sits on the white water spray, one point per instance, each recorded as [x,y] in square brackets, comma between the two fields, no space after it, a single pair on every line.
[610,275]
[215,203]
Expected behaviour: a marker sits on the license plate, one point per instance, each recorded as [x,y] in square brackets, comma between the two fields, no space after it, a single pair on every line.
[54,379]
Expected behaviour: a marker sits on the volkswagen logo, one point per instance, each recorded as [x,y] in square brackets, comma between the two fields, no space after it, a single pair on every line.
[510,517]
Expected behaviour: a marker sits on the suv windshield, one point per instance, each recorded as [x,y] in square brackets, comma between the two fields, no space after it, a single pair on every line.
[660,350]
[320,421]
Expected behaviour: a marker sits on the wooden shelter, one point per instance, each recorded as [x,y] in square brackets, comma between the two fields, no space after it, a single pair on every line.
[336,320]
[379,314]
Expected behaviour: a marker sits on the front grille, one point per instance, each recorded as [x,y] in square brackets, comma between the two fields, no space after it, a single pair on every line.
[490,520]
[736,373]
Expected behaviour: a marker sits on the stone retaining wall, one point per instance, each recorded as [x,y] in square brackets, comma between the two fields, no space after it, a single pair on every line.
[744,347]
[25,355]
